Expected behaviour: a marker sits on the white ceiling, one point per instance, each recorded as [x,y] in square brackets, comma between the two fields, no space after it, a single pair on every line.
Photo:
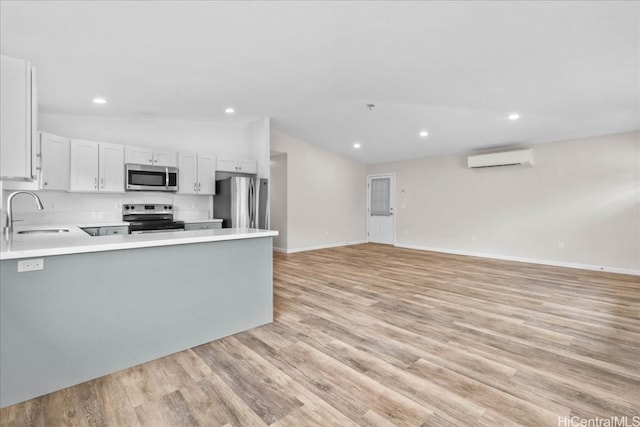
[455,69]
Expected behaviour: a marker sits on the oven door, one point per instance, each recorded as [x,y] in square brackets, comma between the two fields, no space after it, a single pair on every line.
[143,227]
[151,178]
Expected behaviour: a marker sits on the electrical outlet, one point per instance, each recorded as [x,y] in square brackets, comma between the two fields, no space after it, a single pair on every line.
[30,264]
[52,206]
[474,237]
[561,244]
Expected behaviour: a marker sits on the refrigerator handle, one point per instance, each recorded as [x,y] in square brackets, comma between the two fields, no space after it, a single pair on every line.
[251,204]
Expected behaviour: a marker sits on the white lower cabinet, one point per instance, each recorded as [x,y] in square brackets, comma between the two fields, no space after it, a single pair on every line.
[110,231]
[106,231]
[202,226]
[54,162]
[96,166]
[196,173]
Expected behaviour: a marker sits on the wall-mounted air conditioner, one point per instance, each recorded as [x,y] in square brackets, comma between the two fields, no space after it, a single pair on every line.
[504,158]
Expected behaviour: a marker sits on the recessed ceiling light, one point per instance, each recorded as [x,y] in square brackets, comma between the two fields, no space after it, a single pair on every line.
[356,145]
[229,110]
[424,133]
[514,116]
[99,101]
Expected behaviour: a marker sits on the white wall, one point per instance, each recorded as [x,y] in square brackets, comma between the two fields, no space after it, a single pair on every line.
[221,138]
[259,144]
[326,195]
[584,193]
[278,200]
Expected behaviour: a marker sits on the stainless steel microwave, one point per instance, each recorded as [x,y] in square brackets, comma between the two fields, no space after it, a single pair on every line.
[151,178]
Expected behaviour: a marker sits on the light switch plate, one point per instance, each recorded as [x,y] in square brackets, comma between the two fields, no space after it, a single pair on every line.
[30,264]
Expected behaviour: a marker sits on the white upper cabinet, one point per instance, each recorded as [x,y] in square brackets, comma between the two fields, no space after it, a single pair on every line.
[54,162]
[111,167]
[150,156]
[18,116]
[83,175]
[96,166]
[206,173]
[165,158]
[187,173]
[196,173]
[237,165]
[138,155]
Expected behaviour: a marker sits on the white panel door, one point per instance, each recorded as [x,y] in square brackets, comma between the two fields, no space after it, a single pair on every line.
[187,173]
[111,167]
[138,155]
[15,116]
[380,209]
[54,167]
[206,174]
[165,158]
[83,175]
[227,165]
[248,166]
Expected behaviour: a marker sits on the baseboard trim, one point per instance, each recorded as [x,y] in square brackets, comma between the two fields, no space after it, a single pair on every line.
[522,259]
[281,250]
[314,248]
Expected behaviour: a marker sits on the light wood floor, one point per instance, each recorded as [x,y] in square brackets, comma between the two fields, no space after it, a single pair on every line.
[376,335]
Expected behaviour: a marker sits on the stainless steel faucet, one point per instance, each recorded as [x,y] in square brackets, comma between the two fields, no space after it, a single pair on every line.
[9,227]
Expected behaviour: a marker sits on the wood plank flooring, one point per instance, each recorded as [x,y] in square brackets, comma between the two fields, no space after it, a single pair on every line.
[381,336]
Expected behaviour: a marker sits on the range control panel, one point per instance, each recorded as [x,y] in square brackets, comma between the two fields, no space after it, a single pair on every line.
[141,208]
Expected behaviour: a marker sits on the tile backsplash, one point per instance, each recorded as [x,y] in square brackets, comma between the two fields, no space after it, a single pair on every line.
[88,208]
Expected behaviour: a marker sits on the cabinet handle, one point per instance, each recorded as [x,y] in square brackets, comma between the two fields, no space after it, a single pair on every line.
[95,182]
[199,186]
[195,186]
[102,182]
[155,161]
[45,183]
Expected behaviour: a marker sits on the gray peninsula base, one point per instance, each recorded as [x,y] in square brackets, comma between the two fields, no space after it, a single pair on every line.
[89,314]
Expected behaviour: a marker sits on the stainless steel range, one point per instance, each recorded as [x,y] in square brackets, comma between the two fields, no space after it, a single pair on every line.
[150,218]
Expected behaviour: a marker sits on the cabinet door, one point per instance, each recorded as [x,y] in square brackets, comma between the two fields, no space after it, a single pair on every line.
[226,165]
[165,158]
[83,175]
[110,231]
[206,173]
[111,167]
[54,166]
[138,155]
[187,173]
[17,90]
[202,226]
[248,166]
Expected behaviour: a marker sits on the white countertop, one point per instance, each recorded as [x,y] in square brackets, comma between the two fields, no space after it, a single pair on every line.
[77,241]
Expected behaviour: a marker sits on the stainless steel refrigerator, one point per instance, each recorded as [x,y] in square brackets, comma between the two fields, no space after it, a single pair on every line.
[242,202]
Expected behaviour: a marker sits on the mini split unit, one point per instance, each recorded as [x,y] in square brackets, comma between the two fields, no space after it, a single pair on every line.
[522,157]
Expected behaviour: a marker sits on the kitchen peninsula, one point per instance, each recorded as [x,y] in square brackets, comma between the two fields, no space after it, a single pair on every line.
[102,304]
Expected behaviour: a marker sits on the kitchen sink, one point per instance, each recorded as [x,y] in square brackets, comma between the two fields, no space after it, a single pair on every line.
[45,230]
